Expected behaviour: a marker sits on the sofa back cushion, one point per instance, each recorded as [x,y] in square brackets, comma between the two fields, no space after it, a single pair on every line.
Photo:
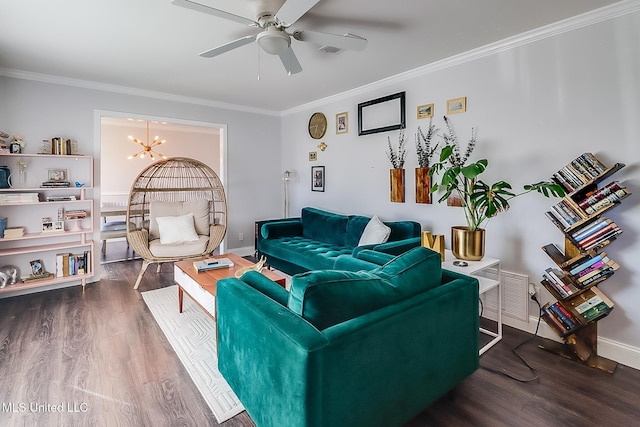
[400,230]
[324,226]
[328,297]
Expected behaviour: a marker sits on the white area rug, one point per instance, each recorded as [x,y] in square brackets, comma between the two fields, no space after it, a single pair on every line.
[192,334]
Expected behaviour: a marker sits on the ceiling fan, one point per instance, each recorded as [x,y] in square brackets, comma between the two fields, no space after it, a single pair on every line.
[273,37]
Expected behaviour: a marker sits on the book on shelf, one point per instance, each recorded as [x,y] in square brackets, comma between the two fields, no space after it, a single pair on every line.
[55,184]
[555,320]
[579,172]
[75,214]
[584,232]
[13,232]
[558,280]
[60,198]
[563,315]
[19,198]
[592,304]
[595,275]
[212,264]
[610,199]
[68,264]
[601,241]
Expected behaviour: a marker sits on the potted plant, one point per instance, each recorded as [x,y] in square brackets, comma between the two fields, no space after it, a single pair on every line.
[480,201]
[396,176]
[424,152]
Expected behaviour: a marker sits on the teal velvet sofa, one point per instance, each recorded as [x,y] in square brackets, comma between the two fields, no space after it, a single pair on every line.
[372,347]
[316,239]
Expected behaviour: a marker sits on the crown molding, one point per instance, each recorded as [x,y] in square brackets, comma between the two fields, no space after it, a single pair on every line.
[624,7]
[127,90]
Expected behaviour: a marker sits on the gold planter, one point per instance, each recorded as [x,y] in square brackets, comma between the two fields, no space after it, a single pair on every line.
[467,245]
[423,185]
[396,180]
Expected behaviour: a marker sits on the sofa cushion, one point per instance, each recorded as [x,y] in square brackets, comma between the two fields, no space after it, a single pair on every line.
[374,233]
[324,226]
[307,253]
[185,249]
[328,297]
[417,270]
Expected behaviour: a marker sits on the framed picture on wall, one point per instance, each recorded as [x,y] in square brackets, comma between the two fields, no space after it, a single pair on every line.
[317,178]
[313,156]
[457,105]
[342,123]
[424,111]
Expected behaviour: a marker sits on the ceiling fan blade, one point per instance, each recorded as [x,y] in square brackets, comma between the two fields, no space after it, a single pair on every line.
[290,61]
[215,12]
[292,10]
[348,42]
[227,47]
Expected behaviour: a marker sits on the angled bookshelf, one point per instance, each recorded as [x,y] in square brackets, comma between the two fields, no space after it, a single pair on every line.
[582,265]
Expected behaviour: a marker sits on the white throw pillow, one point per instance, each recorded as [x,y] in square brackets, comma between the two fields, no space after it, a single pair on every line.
[374,233]
[176,229]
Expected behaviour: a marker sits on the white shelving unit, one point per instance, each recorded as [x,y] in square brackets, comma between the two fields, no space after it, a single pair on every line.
[35,244]
[478,269]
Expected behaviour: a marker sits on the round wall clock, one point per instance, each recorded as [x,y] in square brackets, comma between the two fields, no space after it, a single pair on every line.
[317,125]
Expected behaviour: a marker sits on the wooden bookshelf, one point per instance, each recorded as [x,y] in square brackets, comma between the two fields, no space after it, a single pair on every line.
[582,265]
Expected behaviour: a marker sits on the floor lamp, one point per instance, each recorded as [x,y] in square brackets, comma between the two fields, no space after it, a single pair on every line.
[286,177]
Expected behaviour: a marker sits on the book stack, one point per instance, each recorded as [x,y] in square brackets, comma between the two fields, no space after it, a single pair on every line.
[60,198]
[559,282]
[595,268]
[596,235]
[68,264]
[56,184]
[212,264]
[560,316]
[579,172]
[8,198]
[592,305]
[76,214]
[562,215]
[603,197]
[13,232]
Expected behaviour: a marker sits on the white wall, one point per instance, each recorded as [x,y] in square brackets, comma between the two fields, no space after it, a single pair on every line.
[537,106]
[39,110]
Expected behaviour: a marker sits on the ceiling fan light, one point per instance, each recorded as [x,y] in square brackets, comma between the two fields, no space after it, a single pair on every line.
[274,41]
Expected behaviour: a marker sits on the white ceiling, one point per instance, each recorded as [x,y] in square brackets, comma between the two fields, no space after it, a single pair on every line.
[154,45]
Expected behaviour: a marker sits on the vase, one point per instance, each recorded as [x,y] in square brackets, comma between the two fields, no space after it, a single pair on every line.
[467,245]
[397,185]
[423,185]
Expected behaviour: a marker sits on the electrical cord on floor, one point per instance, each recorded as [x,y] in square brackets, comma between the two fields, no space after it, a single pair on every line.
[513,350]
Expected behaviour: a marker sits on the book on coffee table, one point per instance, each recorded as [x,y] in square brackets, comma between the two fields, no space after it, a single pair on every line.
[212,264]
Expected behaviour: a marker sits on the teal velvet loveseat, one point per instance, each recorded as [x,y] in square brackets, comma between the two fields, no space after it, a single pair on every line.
[366,348]
[316,239]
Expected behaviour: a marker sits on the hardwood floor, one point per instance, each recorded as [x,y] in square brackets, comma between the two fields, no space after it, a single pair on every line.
[100,358]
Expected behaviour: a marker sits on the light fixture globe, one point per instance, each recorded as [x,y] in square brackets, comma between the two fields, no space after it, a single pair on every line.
[274,41]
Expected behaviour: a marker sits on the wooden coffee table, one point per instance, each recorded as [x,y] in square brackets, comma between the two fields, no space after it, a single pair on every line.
[201,287]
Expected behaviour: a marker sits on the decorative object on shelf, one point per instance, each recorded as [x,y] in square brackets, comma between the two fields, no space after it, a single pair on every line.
[57,175]
[582,266]
[317,178]
[317,125]
[397,158]
[424,111]
[147,147]
[37,267]
[3,226]
[50,226]
[382,114]
[4,280]
[479,200]
[457,105]
[313,156]
[342,123]
[79,184]
[322,146]
[17,144]
[434,242]
[12,274]
[424,151]
[5,173]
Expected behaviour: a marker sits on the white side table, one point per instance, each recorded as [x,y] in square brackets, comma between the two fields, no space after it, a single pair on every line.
[485,284]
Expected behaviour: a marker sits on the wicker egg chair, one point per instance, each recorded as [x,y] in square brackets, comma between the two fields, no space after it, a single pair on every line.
[171,188]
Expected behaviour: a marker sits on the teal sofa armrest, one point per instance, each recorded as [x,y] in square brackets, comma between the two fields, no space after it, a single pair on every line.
[267,286]
[268,355]
[351,263]
[398,247]
[277,229]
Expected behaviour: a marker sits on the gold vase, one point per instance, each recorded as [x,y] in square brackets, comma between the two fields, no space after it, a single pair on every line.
[396,180]
[467,245]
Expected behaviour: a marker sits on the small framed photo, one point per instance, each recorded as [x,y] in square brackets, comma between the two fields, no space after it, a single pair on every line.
[50,226]
[37,267]
[313,156]
[457,105]
[342,123]
[424,111]
[57,175]
[317,178]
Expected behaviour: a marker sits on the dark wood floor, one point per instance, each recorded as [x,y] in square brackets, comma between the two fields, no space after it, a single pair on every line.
[100,354]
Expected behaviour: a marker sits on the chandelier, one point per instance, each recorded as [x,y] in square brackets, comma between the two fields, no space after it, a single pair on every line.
[147,147]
